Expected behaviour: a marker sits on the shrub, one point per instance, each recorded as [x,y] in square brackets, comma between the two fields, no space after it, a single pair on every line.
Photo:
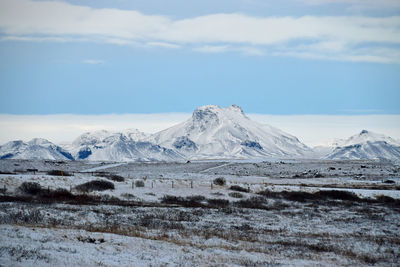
[113,177]
[218,203]
[58,173]
[168,199]
[191,201]
[252,203]
[139,183]
[336,194]
[58,194]
[389,181]
[31,188]
[96,185]
[385,199]
[235,194]
[219,181]
[86,199]
[197,198]
[239,188]
[301,196]
[5,172]
[194,201]
[298,196]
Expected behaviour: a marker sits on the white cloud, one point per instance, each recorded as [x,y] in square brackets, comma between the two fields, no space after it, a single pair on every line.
[66,127]
[35,39]
[357,4]
[331,37]
[251,51]
[93,61]
[165,45]
[310,129]
[212,48]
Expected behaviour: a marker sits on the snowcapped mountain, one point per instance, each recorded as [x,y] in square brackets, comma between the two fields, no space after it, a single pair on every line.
[135,134]
[212,132]
[366,145]
[124,146]
[35,149]
[215,132]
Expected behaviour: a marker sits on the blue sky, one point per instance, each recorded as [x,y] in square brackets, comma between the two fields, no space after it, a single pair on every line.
[269,57]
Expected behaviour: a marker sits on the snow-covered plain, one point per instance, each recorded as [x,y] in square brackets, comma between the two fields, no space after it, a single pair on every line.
[282,232]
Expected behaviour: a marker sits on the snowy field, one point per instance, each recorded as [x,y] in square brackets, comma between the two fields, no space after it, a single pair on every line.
[264,213]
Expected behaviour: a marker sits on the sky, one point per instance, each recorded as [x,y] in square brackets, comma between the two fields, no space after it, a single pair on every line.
[72,60]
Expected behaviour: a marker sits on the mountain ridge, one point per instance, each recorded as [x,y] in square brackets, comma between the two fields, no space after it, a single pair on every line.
[212,132]
[366,145]
[229,133]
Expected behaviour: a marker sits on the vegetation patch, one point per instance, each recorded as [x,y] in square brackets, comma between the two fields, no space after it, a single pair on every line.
[58,173]
[31,188]
[139,183]
[235,195]
[112,177]
[191,201]
[219,181]
[301,196]
[239,189]
[252,203]
[218,203]
[96,185]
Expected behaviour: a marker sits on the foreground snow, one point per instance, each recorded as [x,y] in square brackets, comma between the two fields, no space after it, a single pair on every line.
[287,233]
[27,246]
[281,231]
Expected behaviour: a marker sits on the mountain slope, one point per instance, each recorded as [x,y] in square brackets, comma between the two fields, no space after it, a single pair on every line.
[125,146]
[35,149]
[215,132]
[366,145]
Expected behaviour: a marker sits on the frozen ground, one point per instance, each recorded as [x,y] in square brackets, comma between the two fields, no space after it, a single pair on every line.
[252,229]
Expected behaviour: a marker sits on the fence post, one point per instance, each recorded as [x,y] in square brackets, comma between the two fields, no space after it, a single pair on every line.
[151,184]
[172,184]
[211,185]
[191,184]
[132,185]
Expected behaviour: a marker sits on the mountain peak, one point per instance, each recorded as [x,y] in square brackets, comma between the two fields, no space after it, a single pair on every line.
[216,132]
[236,108]
[363,137]
[39,141]
[212,112]
[366,145]
[206,113]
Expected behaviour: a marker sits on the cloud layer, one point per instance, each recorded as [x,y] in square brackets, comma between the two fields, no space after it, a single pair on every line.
[348,38]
